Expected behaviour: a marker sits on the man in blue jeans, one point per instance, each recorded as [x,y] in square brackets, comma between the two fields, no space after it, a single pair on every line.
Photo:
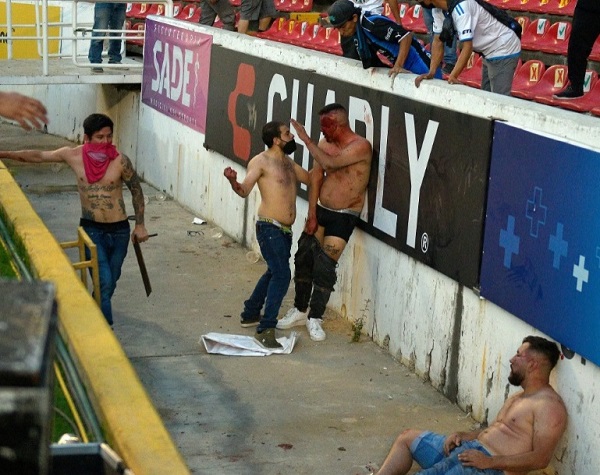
[100,171]
[277,176]
[107,16]
[521,439]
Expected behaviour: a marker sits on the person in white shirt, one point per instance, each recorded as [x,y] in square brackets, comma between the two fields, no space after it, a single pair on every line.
[478,31]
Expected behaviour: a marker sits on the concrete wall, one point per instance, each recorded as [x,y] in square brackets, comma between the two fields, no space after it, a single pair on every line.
[458,342]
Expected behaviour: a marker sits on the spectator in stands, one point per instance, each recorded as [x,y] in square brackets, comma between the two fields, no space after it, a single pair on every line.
[100,171]
[277,176]
[522,438]
[27,111]
[449,49]
[585,30]
[378,7]
[262,10]
[211,8]
[336,195]
[373,34]
[477,31]
[107,16]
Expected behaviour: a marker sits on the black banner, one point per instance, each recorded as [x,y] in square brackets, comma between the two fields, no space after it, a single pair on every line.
[430,165]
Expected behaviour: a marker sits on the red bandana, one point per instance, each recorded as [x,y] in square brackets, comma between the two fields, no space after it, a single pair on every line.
[96,158]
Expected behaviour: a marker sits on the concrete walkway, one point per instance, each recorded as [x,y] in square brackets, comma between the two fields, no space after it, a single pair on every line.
[329,407]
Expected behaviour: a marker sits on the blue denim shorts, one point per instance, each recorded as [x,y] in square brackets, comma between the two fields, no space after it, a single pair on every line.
[428,451]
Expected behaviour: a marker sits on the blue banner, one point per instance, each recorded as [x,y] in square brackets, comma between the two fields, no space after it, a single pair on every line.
[541,259]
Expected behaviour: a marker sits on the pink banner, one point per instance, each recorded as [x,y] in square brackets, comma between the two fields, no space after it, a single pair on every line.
[176,68]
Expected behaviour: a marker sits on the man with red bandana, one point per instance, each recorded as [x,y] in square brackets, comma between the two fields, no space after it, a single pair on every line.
[336,194]
[100,171]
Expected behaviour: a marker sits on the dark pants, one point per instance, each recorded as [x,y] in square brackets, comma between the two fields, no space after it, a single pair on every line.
[275,246]
[107,16]
[586,28]
[314,278]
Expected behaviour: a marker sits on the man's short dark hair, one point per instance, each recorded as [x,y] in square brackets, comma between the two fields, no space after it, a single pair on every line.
[544,347]
[270,131]
[333,107]
[95,122]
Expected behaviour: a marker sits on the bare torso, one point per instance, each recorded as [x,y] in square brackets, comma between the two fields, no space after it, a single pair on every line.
[513,430]
[101,201]
[344,188]
[277,186]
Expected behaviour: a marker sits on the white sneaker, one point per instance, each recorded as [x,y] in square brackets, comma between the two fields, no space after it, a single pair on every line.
[315,330]
[293,318]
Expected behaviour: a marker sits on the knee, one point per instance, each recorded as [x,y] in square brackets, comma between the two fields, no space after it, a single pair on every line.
[407,437]
[304,257]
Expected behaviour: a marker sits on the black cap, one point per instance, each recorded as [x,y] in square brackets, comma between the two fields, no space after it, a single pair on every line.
[341,11]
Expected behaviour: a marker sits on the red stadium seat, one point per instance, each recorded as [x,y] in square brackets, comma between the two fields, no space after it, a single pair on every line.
[191,12]
[327,40]
[534,33]
[177,6]
[560,7]
[149,9]
[523,21]
[514,5]
[471,75]
[132,10]
[595,55]
[139,29]
[413,19]
[526,77]
[307,34]
[294,5]
[273,30]
[590,98]
[596,110]
[556,39]
[387,11]
[553,81]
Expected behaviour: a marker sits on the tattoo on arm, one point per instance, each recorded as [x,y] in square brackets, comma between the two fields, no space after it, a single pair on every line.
[132,182]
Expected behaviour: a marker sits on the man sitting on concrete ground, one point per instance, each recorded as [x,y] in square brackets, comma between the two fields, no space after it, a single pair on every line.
[479,31]
[336,195]
[366,35]
[277,176]
[100,171]
[522,438]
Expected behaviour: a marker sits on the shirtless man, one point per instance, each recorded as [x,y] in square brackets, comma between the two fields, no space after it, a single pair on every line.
[522,438]
[27,111]
[277,176]
[100,171]
[336,195]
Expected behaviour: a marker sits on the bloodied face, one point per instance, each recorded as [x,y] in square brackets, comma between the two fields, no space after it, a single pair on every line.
[329,124]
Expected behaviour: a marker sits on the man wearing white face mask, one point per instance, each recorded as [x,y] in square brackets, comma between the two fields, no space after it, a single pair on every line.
[277,176]
[100,171]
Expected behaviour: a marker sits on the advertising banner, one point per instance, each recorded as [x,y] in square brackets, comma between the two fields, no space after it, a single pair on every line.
[541,257]
[429,175]
[175,75]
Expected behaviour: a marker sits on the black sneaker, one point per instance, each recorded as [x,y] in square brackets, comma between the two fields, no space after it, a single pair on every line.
[250,322]
[267,338]
[568,93]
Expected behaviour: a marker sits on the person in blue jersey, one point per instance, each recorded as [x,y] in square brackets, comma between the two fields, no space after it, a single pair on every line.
[477,30]
[375,35]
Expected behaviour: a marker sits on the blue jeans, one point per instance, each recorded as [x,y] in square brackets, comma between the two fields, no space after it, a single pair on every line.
[112,241]
[428,452]
[275,246]
[107,16]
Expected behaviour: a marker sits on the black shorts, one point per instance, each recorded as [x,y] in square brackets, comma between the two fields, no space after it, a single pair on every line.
[336,223]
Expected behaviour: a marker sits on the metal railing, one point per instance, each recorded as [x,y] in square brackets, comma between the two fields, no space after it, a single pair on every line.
[80,31]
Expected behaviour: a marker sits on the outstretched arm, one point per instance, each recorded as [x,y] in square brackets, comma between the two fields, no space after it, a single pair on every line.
[132,182]
[28,112]
[38,156]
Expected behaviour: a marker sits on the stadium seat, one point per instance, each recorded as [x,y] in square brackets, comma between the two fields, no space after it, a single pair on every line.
[556,39]
[138,28]
[534,33]
[191,12]
[387,11]
[413,20]
[595,111]
[590,98]
[273,30]
[294,5]
[553,81]
[308,32]
[560,7]
[526,77]
[149,9]
[327,40]
[514,5]
[177,6]
[595,55]
[132,10]
[219,23]
[523,21]
[471,75]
